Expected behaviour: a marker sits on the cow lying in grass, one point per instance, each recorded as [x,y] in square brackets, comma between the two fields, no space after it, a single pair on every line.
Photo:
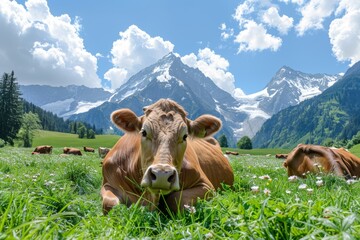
[46,149]
[163,153]
[313,158]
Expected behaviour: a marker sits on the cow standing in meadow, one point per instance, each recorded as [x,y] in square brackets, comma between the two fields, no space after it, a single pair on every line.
[314,158]
[163,153]
[46,149]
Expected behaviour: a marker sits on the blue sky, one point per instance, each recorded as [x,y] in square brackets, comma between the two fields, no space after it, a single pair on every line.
[238,44]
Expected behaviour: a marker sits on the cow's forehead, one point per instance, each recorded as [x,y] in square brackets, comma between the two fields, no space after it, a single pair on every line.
[165,121]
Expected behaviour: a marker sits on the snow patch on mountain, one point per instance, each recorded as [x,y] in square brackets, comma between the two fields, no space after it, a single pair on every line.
[83,107]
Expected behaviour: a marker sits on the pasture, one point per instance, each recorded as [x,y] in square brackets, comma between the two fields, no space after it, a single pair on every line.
[57,139]
[53,197]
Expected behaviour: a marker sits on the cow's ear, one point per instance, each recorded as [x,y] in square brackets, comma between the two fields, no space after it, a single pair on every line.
[126,120]
[203,126]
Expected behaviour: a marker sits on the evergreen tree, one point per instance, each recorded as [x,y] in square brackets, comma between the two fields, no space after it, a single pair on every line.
[10,108]
[90,134]
[81,131]
[223,141]
[244,143]
[30,122]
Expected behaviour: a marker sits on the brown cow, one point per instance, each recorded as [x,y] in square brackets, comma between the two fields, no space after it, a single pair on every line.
[74,151]
[281,156]
[231,153]
[163,153]
[103,151]
[314,158]
[46,149]
[89,149]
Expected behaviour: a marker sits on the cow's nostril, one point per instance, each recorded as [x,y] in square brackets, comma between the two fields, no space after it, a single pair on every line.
[152,176]
[171,179]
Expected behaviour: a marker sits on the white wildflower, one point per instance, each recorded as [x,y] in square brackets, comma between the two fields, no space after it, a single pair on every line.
[319,183]
[191,209]
[293,178]
[302,186]
[264,177]
[310,190]
[267,192]
[288,191]
[255,189]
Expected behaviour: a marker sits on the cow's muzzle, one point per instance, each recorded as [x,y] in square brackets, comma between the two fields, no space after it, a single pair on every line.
[161,178]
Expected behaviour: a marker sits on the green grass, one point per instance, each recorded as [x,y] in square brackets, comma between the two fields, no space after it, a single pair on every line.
[54,197]
[57,139]
[356,150]
[258,151]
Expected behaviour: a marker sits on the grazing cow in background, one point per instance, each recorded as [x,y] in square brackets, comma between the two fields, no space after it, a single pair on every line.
[314,158]
[103,151]
[231,153]
[46,149]
[74,151]
[281,156]
[89,149]
[163,153]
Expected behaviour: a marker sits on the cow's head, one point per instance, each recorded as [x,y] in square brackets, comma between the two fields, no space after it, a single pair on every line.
[164,130]
[310,158]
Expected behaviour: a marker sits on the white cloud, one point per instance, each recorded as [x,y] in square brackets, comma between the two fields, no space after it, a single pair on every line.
[314,13]
[214,67]
[134,51]
[273,19]
[298,2]
[254,37]
[42,48]
[344,32]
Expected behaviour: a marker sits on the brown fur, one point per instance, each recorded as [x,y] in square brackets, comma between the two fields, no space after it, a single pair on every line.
[314,158]
[46,149]
[73,151]
[200,165]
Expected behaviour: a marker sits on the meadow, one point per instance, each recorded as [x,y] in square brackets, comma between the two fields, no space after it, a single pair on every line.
[54,197]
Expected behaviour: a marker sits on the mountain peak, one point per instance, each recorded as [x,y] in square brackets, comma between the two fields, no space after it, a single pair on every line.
[354,69]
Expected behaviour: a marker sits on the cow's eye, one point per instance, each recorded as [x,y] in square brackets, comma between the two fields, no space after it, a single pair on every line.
[185,137]
[143,133]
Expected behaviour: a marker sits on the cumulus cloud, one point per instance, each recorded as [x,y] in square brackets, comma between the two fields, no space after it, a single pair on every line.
[298,2]
[42,48]
[254,37]
[134,51]
[344,32]
[214,67]
[314,13]
[273,19]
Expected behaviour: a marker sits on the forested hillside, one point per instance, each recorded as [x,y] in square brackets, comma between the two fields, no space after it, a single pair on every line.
[335,115]
[52,122]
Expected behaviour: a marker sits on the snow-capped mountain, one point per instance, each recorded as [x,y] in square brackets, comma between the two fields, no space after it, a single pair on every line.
[170,78]
[64,101]
[289,87]
[198,94]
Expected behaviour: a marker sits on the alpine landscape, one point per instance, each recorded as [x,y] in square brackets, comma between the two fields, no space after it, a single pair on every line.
[170,78]
[180,119]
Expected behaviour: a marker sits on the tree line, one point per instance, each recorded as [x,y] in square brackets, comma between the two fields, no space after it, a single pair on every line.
[19,118]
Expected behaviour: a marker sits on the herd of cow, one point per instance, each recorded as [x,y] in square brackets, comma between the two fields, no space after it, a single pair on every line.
[47,149]
[167,161]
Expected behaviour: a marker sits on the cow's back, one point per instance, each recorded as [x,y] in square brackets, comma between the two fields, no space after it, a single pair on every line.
[349,163]
[213,162]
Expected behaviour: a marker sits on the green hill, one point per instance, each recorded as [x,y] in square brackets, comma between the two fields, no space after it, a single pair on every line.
[58,140]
